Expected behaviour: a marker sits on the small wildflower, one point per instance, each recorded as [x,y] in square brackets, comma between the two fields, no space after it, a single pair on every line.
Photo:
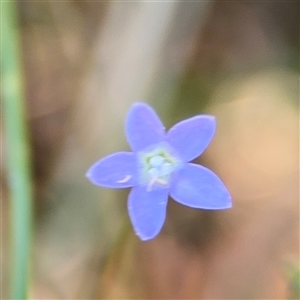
[159,166]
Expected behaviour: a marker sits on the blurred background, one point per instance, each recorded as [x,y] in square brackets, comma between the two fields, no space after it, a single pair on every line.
[84,64]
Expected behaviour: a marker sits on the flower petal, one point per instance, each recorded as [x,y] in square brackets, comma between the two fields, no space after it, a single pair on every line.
[118,170]
[191,137]
[198,187]
[143,127]
[147,211]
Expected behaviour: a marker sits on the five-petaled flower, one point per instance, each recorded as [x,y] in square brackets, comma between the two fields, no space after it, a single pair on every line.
[159,166]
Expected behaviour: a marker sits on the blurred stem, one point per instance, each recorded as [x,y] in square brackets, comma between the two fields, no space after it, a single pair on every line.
[293,276]
[17,153]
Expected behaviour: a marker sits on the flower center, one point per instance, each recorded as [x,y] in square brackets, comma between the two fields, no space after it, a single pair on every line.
[157,166]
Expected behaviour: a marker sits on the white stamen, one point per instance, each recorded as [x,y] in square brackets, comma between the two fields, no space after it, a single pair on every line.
[161,181]
[150,184]
[154,180]
[125,179]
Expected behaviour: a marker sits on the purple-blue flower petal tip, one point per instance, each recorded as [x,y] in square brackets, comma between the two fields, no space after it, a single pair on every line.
[158,166]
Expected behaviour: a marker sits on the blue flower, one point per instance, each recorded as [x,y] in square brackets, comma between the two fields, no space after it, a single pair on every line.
[159,166]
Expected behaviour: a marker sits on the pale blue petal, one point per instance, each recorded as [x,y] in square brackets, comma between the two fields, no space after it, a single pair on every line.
[191,137]
[118,170]
[147,211]
[143,127]
[198,187]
